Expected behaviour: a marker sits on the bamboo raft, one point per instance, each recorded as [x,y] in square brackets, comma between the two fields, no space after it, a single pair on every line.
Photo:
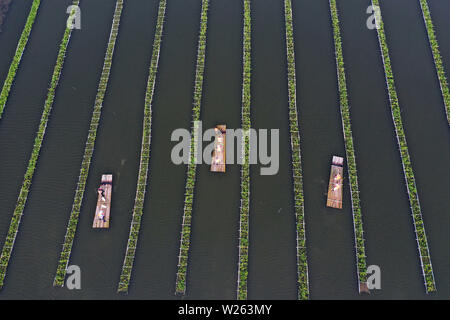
[334,199]
[102,213]
[219,153]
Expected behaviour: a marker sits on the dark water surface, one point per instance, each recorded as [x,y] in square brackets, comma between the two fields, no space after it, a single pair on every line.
[12,28]
[157,253]
[100,254]
[389,232]
[272,271]
[214,256]
[329,233]
[45,218]
[23,111]
[425,125]
[212,266]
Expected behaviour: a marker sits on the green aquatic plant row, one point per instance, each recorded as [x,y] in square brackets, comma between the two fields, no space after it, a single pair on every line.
[302,261]
[361,265]
[245,170]
[185,238]
[18,55]
[145,155]
[88,151]
[27,180]
[419,228]
[436,56]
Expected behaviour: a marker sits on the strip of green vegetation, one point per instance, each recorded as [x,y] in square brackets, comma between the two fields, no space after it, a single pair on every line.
[245,170]
[422,243]
[349,149]
[23,195]
[18,55]
[180,287]
[302,262]
[145,156]
[88,151]
[436,56]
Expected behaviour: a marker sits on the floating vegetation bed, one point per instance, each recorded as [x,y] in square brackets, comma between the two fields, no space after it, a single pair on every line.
[419,228]
[185,239]
[18,55]
[437,59]
[361,266]
[297,175]
[23,195]
[145,155]
[245,170]
[88,151]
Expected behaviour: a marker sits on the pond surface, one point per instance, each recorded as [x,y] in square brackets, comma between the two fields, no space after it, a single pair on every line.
[213,258]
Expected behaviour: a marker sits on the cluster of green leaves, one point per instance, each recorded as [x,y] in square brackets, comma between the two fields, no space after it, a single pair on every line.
[23,195]
[88,151]
[437,56]
[145,155]
[302,262]
[245,170]
[180,286]
[349,148]
[419,227]
[18,55]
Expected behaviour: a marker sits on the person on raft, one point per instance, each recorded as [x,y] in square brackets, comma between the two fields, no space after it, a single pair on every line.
[102,193]
[101,216]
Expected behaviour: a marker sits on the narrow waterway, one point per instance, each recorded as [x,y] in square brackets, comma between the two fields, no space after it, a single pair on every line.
[50,201]
[100,253]
[425,125]
[25,104]
[11,31]
[387,222]
[214,253]
[329,232]
[156,261]
[272,271]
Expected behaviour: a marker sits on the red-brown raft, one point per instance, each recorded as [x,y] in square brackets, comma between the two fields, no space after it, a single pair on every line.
[334,199]
[104,193]
[219,153]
